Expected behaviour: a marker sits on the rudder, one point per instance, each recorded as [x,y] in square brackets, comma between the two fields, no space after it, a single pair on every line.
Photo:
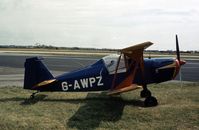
[35,72]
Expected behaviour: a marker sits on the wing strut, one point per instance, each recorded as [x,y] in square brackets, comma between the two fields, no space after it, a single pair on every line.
[135,54]
[115,75]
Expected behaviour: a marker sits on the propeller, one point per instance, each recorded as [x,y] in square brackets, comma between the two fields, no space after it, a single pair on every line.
[177,62]
[178,59]
[181,62]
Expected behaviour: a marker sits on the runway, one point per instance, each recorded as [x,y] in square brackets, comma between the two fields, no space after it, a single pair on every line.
[13,65]
[58,63]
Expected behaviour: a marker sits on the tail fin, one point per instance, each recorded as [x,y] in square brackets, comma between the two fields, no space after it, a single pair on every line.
[35,72]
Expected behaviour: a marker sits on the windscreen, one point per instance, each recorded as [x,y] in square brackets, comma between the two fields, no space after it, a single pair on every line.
[111,61]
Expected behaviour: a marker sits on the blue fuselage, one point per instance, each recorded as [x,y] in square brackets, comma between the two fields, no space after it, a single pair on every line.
[97,77]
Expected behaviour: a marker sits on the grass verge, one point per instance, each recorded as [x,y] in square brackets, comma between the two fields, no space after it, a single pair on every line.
[178,109]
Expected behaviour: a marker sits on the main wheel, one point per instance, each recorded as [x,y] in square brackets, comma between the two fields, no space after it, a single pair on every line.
[150,102]
[145,93]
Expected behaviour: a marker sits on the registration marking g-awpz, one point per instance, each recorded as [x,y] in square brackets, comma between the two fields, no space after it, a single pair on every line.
[82,83]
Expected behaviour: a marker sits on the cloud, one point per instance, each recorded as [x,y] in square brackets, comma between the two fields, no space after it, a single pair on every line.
[99,23]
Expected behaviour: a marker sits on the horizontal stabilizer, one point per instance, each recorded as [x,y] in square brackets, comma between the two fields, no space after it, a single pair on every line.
[46,82]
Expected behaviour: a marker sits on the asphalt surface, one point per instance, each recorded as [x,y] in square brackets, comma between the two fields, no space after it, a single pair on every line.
[58,63]
[189,72]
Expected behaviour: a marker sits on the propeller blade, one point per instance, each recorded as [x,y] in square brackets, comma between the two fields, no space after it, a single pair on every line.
[178,58]
[177,48]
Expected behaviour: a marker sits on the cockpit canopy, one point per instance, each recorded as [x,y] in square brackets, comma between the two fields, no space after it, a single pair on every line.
[111,62]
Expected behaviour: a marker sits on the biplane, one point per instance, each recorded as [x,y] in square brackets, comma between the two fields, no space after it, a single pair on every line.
[116,73]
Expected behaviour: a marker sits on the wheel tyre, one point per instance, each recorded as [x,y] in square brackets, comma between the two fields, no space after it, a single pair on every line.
[145,93]
[150,101]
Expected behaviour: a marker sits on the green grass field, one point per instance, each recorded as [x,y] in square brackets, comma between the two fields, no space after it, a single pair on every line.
[178,109]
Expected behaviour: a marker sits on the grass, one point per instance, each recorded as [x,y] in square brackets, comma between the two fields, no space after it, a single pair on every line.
[178,109]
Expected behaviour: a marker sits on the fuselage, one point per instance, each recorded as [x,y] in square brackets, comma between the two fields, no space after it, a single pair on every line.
[99,76]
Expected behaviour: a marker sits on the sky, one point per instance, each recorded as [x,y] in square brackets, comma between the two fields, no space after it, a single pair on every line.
[100,23]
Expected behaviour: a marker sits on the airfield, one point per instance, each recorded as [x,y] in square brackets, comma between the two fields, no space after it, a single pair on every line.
[12,65]
[178,106]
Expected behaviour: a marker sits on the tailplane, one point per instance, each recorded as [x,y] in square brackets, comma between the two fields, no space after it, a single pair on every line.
[35,73]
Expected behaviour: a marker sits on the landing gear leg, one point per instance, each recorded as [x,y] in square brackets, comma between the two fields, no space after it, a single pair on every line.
[145,92]
[32,96]
[150,101]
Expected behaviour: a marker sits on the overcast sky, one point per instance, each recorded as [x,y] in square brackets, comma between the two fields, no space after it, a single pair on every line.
[100,23]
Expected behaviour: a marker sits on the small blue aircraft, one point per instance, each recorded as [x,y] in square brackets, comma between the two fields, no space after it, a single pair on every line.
[114,73]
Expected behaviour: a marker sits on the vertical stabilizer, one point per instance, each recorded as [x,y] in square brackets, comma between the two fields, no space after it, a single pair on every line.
[35,72]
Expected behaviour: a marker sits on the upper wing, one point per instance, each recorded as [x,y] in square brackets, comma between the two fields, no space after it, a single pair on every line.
[136,47]
[135,53]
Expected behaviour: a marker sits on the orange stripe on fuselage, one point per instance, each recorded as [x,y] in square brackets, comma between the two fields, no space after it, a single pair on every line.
[128,81]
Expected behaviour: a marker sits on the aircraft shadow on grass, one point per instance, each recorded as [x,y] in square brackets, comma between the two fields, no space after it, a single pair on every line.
[93,112]
[25,101]
[96,108]
[91,97]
